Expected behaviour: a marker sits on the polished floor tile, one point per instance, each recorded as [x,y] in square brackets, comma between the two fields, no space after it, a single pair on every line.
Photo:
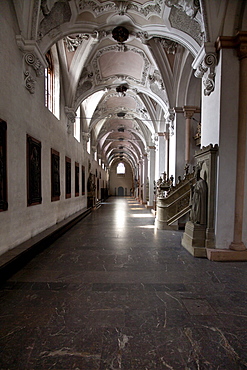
[115,293]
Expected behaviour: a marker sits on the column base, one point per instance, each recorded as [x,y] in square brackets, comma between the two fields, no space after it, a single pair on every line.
[222,255]
[194,239]
[237,246]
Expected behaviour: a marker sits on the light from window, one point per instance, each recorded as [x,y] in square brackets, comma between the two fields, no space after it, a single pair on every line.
[48,89]
[77,125]
[120,169]
[52,83]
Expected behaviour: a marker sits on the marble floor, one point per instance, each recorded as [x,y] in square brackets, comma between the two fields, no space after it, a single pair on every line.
[115,293]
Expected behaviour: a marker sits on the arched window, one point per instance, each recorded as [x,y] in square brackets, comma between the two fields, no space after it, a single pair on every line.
[120,169]
[52,82]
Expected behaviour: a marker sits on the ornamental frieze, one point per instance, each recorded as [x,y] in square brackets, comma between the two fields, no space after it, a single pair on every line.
[152,7]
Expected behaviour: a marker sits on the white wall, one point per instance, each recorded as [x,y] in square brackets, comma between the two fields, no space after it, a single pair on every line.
[25,114]
[219,126]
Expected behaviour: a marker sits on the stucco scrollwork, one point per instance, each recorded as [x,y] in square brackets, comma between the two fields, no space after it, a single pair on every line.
[29,82]
[35,63]
[206,70]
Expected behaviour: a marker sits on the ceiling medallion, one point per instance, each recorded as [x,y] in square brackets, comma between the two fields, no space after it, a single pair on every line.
[121,114]
[120,34]
[121,89]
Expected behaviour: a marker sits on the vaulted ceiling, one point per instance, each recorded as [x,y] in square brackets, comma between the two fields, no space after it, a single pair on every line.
[127,64]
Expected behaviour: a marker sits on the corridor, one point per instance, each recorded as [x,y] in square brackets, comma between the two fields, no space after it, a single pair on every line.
[115,293]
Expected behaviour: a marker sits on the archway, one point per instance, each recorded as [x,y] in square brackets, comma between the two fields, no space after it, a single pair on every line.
[120,191]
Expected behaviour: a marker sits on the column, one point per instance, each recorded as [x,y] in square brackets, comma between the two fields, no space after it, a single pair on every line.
[151,175]
[188,114]
[145,177]
[237,243]
[162,154]
[141,181]
[167,154]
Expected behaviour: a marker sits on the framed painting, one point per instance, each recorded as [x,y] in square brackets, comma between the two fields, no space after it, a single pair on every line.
[33,171]
[77,179]
[67,177]
[83,187]
[3,166]
[55,175]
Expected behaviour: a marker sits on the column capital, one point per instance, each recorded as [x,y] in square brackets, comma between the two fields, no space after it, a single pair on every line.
[238,42]
[189,111]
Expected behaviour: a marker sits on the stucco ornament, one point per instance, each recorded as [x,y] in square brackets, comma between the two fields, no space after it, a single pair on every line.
[73,42]
[71,115]
[206,70]
[185,15]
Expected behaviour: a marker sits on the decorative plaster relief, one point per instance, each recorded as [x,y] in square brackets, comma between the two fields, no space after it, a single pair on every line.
[29,82]
[156,78]
[152,7]
[185,23]
[33,62]
[169,45]
[170,120]
[207,65]
[71,115]
[73,41]
[60,13]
